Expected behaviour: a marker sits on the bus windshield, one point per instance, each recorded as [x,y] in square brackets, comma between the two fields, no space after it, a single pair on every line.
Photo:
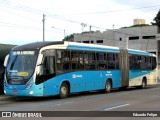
[21,66]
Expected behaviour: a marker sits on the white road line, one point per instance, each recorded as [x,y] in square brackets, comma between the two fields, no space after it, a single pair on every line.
[116,106]
[123,93]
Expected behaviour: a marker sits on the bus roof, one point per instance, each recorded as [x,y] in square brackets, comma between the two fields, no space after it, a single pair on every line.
[92,47]
[36,45]
[82,46]
[138,52]
[64,45]
[74,46]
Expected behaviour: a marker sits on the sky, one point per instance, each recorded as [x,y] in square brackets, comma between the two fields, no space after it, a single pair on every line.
[21,20]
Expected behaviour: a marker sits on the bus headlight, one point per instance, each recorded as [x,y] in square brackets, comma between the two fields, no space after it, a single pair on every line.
[31,92]
[28,86]
[4,92]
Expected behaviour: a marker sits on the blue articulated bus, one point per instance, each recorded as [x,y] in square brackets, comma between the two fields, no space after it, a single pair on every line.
[62,68]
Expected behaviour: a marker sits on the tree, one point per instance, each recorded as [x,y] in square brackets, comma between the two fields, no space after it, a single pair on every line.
[157,19]
[69,37]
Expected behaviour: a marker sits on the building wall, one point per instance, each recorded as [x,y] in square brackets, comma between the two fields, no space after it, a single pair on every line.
[140,38]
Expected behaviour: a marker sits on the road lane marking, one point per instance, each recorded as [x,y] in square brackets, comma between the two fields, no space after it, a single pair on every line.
[114,107]
[124,93]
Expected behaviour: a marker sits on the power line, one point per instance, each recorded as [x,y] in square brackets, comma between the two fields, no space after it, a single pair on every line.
[18,15]
[121,10]
[39,12]
[18,26]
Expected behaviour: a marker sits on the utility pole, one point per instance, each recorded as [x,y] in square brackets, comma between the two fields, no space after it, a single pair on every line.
[90,28]
[43,20]
[113,26]
[64,33]
[83,25]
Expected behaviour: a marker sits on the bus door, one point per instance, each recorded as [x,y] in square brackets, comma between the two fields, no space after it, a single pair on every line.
[48,71]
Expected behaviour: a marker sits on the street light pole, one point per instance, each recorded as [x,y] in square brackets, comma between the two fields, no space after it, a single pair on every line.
[43,20]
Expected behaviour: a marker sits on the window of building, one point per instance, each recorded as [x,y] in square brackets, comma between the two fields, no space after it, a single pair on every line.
[85,41]
[134,38]
[120,39]
[99,41]
[149,37]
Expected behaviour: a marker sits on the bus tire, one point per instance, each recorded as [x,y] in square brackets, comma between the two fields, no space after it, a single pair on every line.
[143,83]
[108,86]
[64,90]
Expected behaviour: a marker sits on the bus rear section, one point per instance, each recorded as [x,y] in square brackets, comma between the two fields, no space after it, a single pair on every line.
[142,69]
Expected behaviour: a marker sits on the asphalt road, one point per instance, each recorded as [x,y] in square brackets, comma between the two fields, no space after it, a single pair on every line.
[94,105]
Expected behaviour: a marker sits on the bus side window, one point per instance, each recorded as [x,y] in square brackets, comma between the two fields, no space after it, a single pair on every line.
[148,63]
[74,59]
[66,56]
[89,60]
[136,62]
[143,63]
[111,60]
[81,61]
[66,66]
[59,62]
[154,63]
[130,62]
[117,61]
[101,60]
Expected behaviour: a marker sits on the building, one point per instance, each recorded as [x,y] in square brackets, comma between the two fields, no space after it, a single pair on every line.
[145,38]
[139,21]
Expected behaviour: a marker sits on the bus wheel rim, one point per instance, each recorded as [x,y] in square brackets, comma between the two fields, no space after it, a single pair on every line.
[64,90]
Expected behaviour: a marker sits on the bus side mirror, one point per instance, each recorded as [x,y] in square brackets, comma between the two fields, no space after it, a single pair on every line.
[39,70]
[6,60]
[39,60]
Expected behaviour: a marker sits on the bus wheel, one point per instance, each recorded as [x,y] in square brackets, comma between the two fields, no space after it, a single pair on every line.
[108,86]
[63,91]
[143,83]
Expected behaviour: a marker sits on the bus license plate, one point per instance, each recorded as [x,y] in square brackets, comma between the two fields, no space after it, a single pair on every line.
[15,92]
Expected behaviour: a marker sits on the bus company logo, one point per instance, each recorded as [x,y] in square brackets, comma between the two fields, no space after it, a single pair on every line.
[76,76]
[109,73]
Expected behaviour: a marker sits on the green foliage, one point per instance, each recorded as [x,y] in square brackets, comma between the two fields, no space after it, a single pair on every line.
[157,19]
[140,25]
[71,37]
